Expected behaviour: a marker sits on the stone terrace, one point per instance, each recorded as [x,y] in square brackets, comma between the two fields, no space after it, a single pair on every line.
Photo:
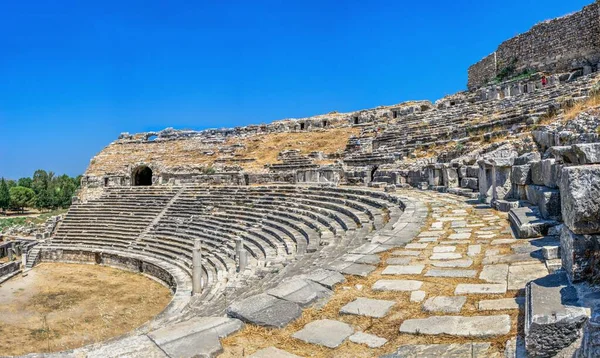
[455,290]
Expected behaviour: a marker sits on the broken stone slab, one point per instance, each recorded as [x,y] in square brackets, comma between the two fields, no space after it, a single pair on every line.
[397,285]
[445,304]
[461,236]
[265,310]
[362,259]
[300,291]
[505,205]
[494,273]
[528,222]
[519,275]
[403,270]
[417,296]
[453,263]
[579,254]
[450,273]
[580,198]
[197,336]
[325,332]
[406,253]
[530,257]
[398,260]
[501,304]
[455,350]
[368,307]
[553,315]
[272,352]
[473,250]
[479,288]
[369,248]
[473,326]
[327,278]
[416,246]
[441,249]
[445,256]
[551,252]
[369,340]
[350,268]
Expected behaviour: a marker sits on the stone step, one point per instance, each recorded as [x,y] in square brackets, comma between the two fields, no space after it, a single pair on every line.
[527,222]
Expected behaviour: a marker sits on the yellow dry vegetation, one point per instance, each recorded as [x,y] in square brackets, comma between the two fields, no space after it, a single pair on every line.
[265,148]
[64,306]
[192,152]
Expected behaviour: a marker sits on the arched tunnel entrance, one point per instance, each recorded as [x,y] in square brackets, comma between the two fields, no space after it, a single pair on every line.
[142,176]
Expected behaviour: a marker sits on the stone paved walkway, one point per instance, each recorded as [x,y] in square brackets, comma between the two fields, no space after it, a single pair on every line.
[455,290]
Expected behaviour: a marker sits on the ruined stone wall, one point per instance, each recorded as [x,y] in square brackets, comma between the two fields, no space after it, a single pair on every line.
[553,46]
[483,71]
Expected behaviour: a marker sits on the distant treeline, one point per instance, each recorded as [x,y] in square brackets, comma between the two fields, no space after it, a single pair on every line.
[44,190]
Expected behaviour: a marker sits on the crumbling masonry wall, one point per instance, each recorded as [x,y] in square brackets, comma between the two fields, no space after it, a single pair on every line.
[553,46]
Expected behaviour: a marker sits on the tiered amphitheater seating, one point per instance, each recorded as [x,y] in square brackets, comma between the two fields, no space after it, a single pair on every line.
[277,222]
[471,117]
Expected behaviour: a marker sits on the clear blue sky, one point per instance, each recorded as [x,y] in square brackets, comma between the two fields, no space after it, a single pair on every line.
[73,75]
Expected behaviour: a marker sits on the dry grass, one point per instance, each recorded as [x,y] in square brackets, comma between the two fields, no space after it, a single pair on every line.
[265,148]
[62,306]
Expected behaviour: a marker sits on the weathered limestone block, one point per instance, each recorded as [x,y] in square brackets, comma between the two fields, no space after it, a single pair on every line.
[473,171]
[536,173]
[553,315]
[450,176]
[502,185]
[580,198]
[590,344]
[548,201]
[471,183]
[521,174]
[587,153]
[434,176]
[519,192]
[528,158]
[580,254]
[462,172]
[550,173]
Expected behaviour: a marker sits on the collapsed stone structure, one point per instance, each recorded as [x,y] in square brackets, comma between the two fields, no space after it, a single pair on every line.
[275,231]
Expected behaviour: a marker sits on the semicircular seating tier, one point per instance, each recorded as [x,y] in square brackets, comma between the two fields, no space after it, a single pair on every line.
[278,224]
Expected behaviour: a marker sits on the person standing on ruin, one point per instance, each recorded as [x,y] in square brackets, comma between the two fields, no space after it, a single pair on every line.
[544,81]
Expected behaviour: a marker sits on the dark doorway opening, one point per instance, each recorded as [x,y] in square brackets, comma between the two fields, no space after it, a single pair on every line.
[302,126]
[395,114]
[355,120]
[105,181]
[373,170]
[142,176]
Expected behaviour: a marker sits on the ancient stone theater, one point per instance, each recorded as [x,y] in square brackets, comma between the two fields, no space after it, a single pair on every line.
[468,227]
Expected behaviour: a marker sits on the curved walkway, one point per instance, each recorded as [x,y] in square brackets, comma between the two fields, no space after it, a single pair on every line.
[447,281]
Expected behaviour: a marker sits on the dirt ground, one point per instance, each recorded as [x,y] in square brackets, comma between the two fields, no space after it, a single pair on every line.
[64,306]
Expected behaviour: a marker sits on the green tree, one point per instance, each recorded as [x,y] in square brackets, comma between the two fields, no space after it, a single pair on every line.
[25,182]
[4,195]
[21,197]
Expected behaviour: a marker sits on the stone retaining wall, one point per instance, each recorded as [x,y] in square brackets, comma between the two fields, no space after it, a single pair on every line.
[112,260]
[9,268]
[558,45]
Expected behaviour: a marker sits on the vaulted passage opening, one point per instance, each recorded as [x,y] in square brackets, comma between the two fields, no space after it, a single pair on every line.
[142,176]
